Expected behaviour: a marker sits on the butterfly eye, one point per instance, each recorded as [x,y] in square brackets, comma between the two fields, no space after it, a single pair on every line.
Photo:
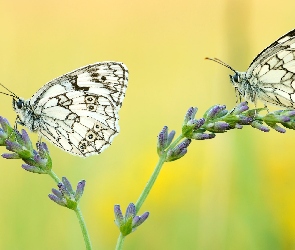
[19,104]
[236,78]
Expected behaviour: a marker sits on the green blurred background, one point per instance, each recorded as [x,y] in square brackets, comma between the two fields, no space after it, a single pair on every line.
[233,192]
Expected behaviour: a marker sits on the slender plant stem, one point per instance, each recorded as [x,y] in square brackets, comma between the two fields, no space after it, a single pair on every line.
[79,216]
[83,228]
[149,186]
[120,241]
[54,176]
[154,175]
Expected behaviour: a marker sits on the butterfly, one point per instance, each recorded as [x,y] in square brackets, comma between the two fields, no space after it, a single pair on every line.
[78,111]
[271,75]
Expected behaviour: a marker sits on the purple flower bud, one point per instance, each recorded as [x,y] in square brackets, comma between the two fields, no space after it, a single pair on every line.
[202,136]
[283,118]
[218,127]
[244,120]
[241,107]
[10,156]
[179,151]
[32,169]
[196,124]
[162,140]
[170,137]
[119,219]
[290,113]
[62,188]
[13,146]
[68,185]
[199,123]
[256,124]
[43,150]
[26,140]
[128,223]
[190,114]
[57,200]
[278,128]
[57,193]
[213,111]
[130,211]
[3,137]
[4,124]
[138,220]
[66,195]
[80,190]
[41,162]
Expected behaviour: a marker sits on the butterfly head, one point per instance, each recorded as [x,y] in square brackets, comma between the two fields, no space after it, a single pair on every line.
[18,104]
[236,79]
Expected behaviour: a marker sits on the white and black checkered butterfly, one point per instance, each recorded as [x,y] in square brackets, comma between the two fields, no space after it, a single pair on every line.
[78,111]
[271,75]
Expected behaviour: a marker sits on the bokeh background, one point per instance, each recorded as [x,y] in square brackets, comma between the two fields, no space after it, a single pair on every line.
[234,192]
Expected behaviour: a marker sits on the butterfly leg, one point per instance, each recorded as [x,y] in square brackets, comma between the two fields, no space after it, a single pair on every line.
[267,109]
[238,96]
[18,121]
[39,138]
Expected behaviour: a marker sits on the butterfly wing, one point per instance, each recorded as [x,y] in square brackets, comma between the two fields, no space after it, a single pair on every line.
[79,110]
[273,72]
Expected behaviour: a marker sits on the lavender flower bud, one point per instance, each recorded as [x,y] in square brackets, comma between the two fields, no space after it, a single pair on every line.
[214,111]
[244,120]
[240,108]
[5,125]
[164,140]
[3,137]
[68,185]
[33,169]
[202,136]
[26,140]
[57,193]
[80,190]
[10,156]
[271,118]
[128,223]
[57,200]
[179,151]
[256,124]
[190,114]
[130,211]
[218,127]
[119,219]
[138,220]
[66,196]
[278,128]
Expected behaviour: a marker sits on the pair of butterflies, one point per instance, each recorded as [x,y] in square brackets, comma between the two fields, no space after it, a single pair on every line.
[78,111]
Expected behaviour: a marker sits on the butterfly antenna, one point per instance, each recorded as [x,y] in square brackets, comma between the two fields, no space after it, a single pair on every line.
[13,95]
[221,62]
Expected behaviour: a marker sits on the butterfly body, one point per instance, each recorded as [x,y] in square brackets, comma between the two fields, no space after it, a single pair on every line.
[270,77]
[78,112]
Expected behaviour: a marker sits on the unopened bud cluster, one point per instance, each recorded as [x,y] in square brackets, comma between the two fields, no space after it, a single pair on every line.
[65,195]
[128,223]
[19,143]
[219,120]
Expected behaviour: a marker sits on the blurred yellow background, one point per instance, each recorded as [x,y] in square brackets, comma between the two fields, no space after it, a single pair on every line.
[234,192]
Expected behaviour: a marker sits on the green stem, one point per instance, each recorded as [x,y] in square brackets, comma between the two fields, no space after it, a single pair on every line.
[155,174]
[149,186]
[79,216]
[120,241]
[83,228]
[54,177]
